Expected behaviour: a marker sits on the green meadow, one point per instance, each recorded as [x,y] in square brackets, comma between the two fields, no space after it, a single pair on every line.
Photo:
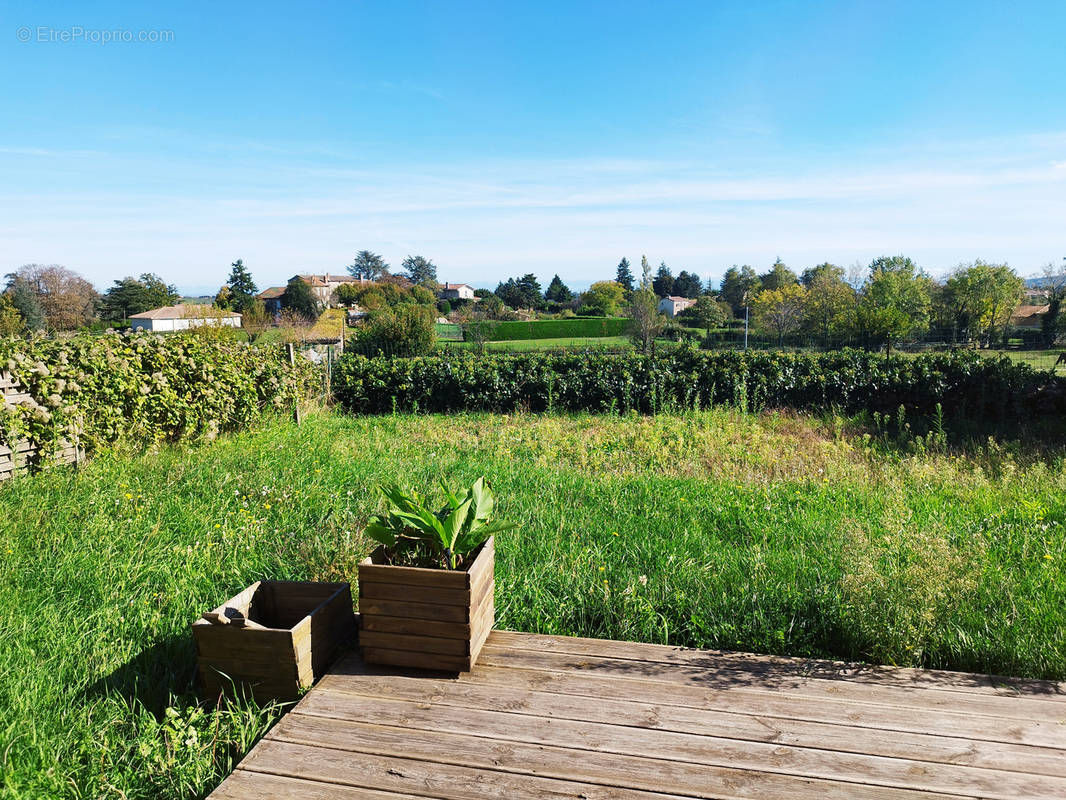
[773,533]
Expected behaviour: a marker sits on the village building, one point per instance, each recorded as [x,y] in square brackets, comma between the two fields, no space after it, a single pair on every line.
[182,317]
[672,306]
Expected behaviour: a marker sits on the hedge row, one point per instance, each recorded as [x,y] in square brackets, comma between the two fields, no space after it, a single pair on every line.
[144,388]
[581,327]
[850,380]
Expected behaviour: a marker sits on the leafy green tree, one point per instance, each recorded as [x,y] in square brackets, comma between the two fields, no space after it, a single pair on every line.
[895,301]
[406,330]
[603,299]
[707,313]
[420,271]
[558,292]
[368,266]
[255,320]
[624,275]
[10,318]
[663,284]
[687,284]
[1055,282]
[778,277]
[645,319]
[490,306]
[780,310]
[25,302]
[130,296]
[738,285]
[982,297]
[299,299]
[830,300]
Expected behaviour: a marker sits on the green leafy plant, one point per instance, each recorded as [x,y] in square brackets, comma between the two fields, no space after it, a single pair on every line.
[412,531]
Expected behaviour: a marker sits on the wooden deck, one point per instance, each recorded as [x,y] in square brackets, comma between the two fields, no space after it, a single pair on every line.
[556,717]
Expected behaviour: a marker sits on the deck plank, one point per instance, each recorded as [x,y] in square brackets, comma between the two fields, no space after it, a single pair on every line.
[728,724]
[707,672]
[781,666]
[555,717]
[688,748]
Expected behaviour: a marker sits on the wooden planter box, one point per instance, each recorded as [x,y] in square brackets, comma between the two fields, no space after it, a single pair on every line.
[427,618]
[305,623]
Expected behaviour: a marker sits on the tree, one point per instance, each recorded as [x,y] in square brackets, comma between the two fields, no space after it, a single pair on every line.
[420,271]
[778,277]
[478,325]
[10,318]
[982,297]
[646,321]
[521,293]
[242,288]
[1055,282]
[664,281]
[738,285]
[558,292]
[707,313]
[299,299]
[255,320]
[368,266]
[24,301]
[829,299]
[130,296]
[490,305]
[603,299]
[688,284]
[780,310]
[624,275]
[895,300]
[407,330]
[66,299]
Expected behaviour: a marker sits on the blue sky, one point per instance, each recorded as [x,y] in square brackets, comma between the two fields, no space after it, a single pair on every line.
[502,138]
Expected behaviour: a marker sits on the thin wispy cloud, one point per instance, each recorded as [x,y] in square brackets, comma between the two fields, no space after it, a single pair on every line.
[187,216]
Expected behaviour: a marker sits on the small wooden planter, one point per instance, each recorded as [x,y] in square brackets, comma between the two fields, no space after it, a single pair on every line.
[427,618]
[304,624]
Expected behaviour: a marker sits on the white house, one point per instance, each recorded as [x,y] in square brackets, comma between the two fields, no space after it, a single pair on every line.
[456,291]
[672,306]
[182,317]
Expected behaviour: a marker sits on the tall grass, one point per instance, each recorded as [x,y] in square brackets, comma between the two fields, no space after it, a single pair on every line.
[769,533]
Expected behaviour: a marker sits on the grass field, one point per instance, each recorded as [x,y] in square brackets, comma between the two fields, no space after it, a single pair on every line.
[770,533]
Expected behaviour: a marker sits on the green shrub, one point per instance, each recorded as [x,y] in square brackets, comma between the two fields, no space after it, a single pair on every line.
[559,329]
[141,389]
[406,330]
[965,384]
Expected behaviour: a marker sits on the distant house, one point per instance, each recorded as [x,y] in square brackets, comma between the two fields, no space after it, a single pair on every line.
[272,299]
[182,317]
[1028,316]
[672,306]
[323,286]
[456,291]
[1036,297]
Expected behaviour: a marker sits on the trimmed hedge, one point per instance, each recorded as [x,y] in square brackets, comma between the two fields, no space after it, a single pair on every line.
[581,327]
[965,384]
[144,388]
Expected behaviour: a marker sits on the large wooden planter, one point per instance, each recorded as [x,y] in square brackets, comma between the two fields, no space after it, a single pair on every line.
[427,618]
[303,626]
